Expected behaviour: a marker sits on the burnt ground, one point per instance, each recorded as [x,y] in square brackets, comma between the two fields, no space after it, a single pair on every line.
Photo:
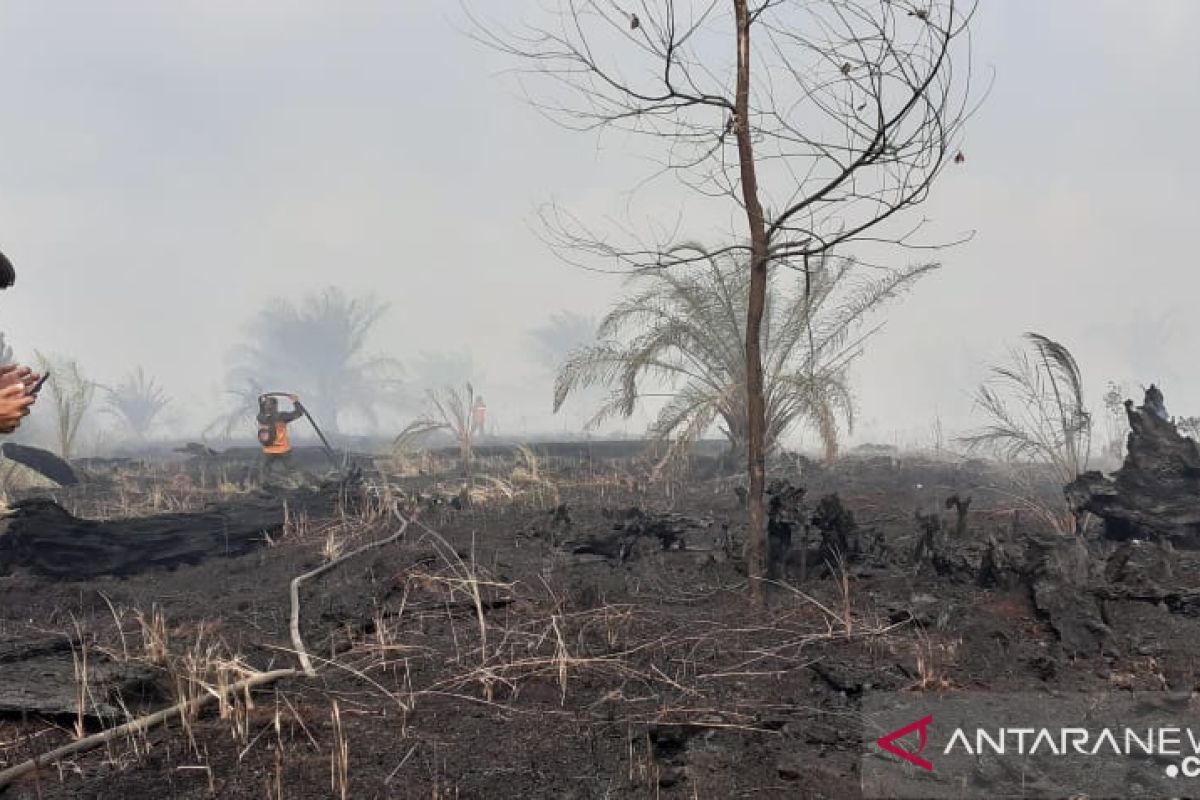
[564,630]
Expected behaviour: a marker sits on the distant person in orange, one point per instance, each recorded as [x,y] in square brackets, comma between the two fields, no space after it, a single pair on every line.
[273,434]
[16,382]
[478,417]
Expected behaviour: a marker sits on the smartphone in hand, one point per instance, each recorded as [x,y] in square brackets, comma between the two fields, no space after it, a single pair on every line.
[37,387]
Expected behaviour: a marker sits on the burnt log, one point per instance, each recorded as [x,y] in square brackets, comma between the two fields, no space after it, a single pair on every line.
[636,533]
[42,677]
[1155,495]
[46,539]
[41,461]
[41,536]
[198,450]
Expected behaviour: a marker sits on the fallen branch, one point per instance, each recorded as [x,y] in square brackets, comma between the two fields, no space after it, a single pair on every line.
[140,724]
[297,641]
[197,704]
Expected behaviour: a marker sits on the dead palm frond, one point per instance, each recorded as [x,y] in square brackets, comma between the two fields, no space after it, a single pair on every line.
[450,410]
[685,329]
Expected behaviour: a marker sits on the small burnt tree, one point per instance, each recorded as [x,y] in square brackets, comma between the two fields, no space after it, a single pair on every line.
[816,123]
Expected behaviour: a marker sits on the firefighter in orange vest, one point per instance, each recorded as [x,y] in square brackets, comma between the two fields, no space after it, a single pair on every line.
[273,434]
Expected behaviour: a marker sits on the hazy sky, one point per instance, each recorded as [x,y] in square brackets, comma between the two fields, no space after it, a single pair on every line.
[165,168]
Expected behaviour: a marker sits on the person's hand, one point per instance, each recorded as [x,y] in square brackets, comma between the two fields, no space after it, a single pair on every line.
[13,373]
[14,406]
[294,398]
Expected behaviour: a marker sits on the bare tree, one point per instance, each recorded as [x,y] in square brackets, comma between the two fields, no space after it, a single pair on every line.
[832,121]
[1116,422]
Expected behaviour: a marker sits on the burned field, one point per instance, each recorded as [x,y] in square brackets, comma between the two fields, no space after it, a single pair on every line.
[555,627]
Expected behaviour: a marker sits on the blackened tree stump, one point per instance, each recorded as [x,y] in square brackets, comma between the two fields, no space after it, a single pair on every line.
[1155,495]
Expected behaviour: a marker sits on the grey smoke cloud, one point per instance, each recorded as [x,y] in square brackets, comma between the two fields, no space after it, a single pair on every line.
[166,168]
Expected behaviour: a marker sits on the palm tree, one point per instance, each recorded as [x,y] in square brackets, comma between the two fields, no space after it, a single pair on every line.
[684,328]
[450,410]
[1037,409]
[137,402]
[70,394]
[1038,414]
[317,349]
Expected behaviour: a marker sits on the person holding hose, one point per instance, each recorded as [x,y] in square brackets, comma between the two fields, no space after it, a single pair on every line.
[273,434]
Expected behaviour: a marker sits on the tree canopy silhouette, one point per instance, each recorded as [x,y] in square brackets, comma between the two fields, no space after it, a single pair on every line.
[317,348]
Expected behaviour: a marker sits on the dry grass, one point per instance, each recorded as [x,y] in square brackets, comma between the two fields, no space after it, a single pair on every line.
[339,767]
[505,644]
[645,666]
[144,490]
[929,656]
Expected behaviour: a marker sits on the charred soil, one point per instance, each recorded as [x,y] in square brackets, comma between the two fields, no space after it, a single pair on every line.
[563,629]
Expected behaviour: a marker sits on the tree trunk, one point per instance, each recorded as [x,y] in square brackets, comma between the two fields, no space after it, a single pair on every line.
[755,401]
[464,455]
[1155,495]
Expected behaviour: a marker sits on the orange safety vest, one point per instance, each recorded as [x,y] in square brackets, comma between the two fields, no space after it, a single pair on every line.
[281,444]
